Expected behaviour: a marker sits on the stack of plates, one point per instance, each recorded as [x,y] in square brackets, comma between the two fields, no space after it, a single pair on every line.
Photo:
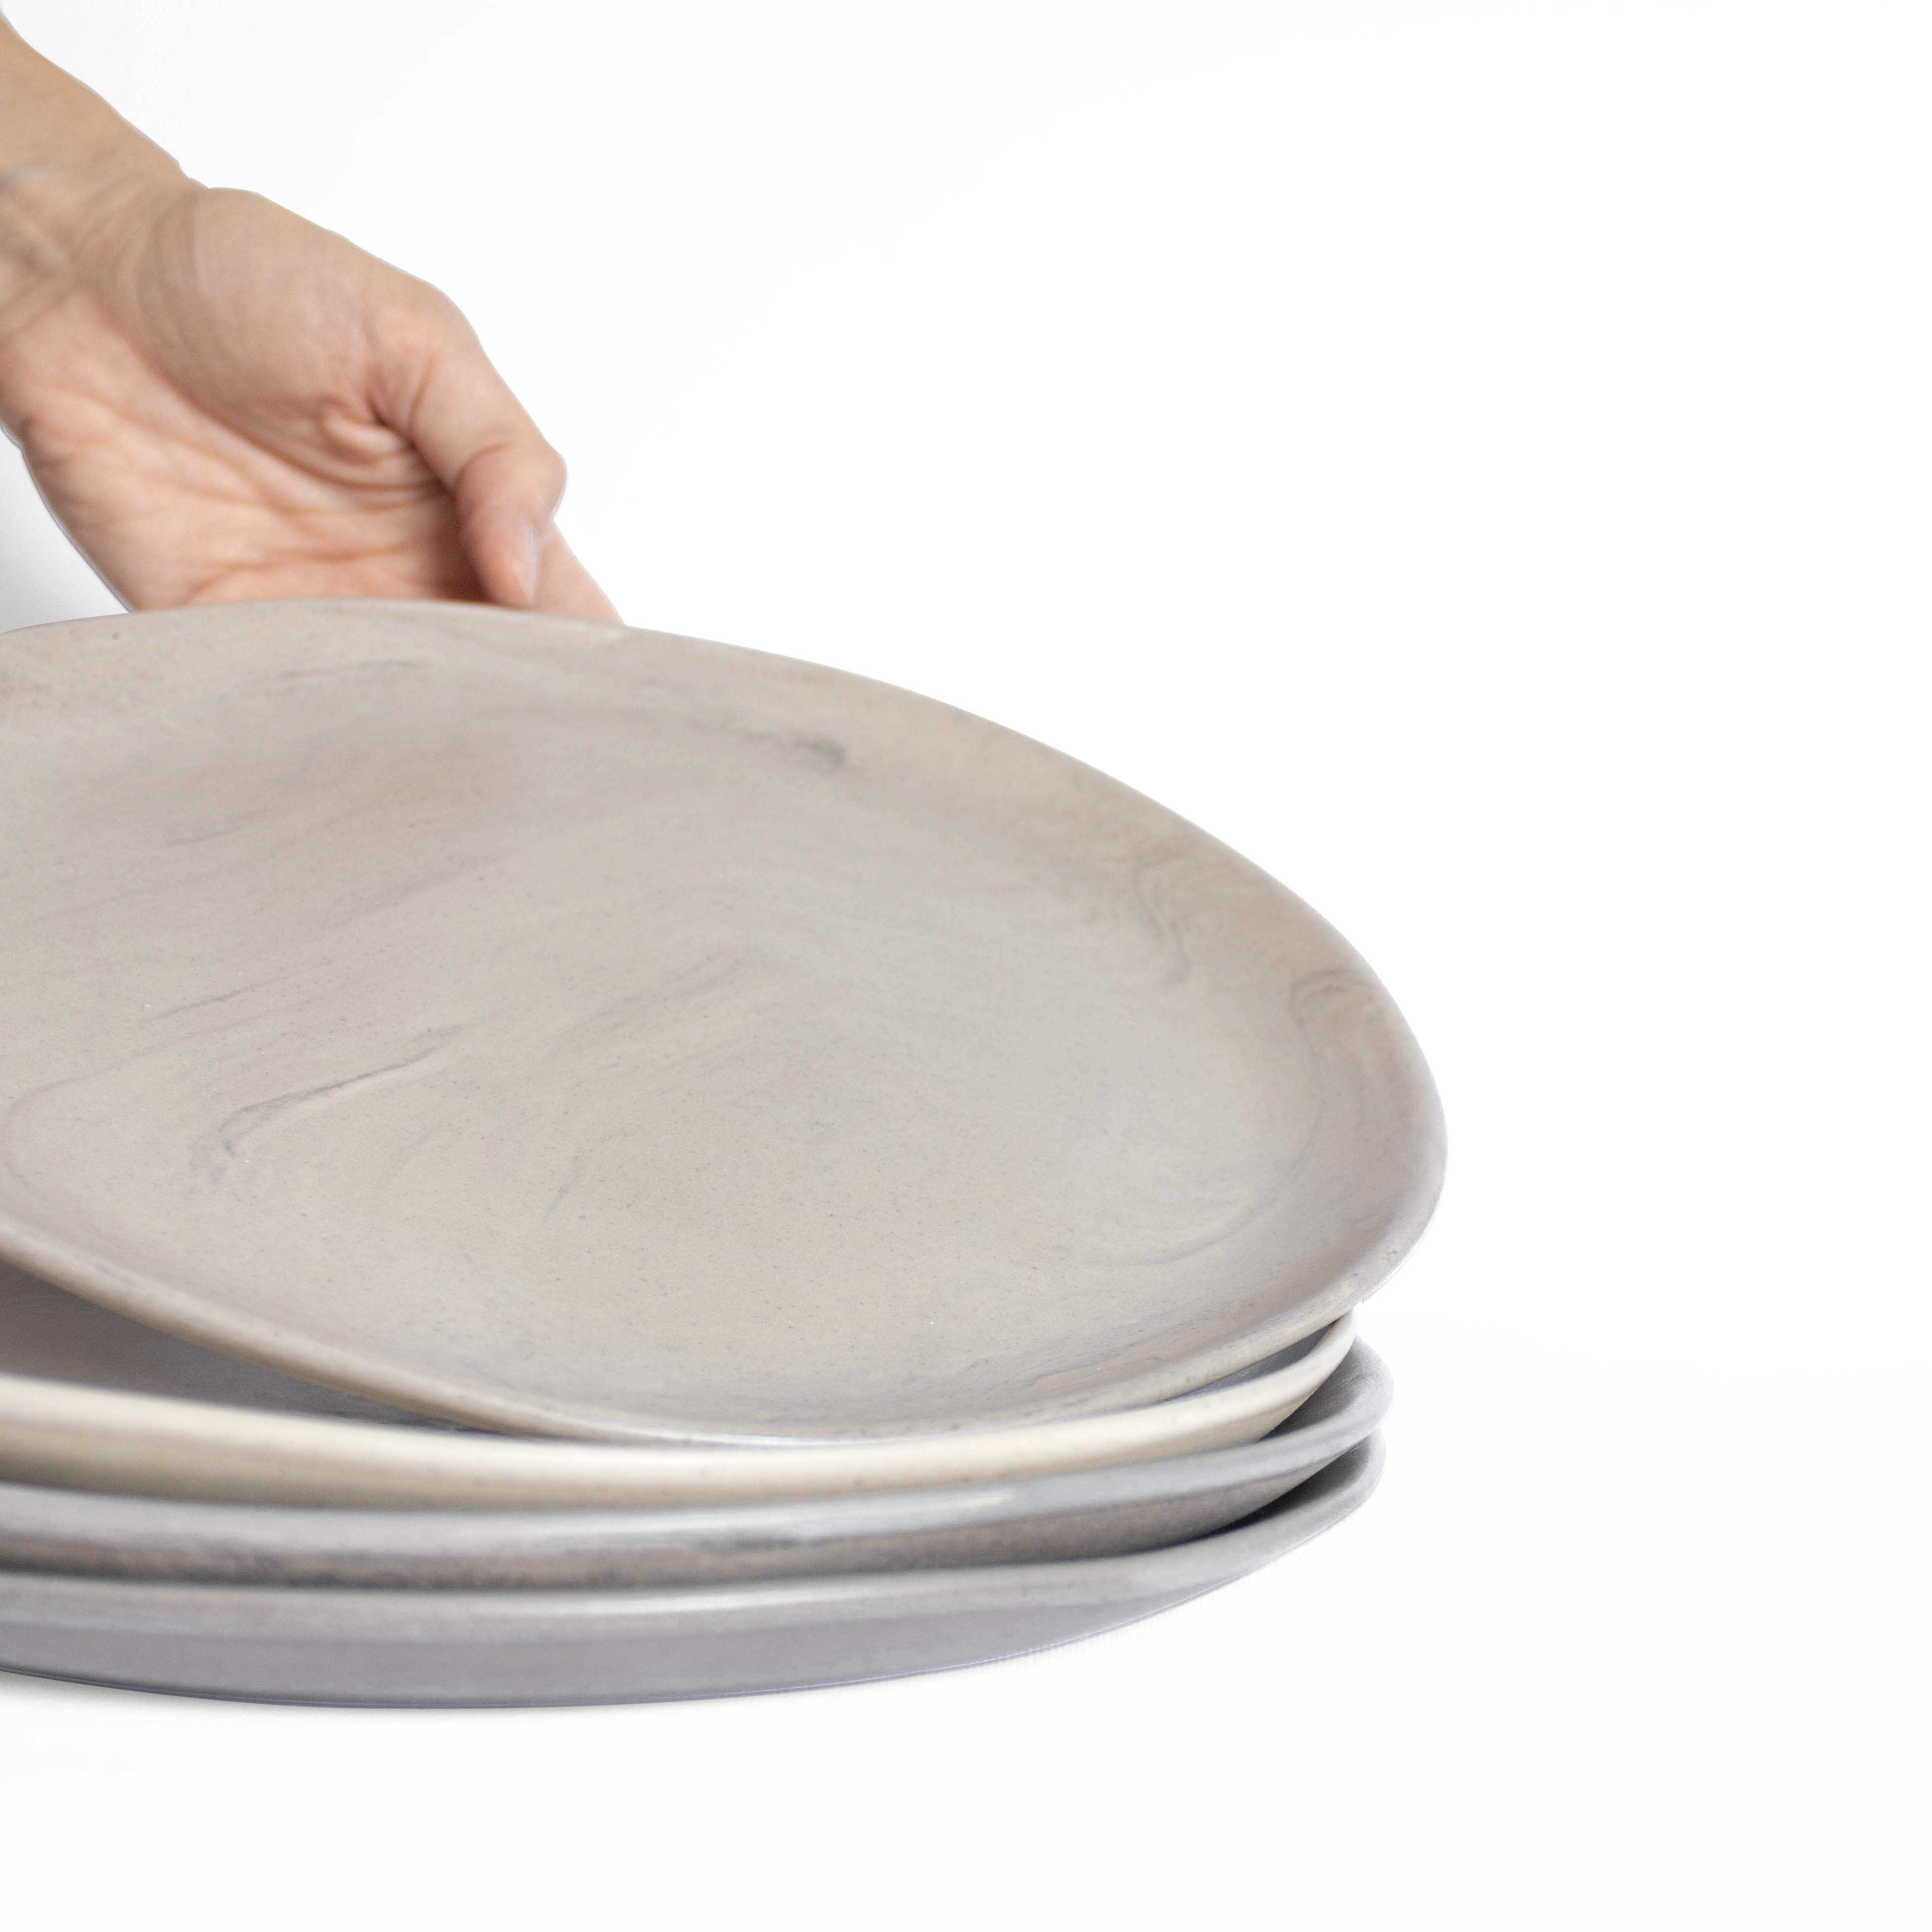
[541,1163]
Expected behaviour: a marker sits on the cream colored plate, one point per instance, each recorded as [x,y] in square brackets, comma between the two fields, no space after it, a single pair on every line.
[68,1435]
[583,1031]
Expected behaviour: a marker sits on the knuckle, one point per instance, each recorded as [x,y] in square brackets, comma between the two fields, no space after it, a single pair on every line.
[549,469]
[419,312]
[435,312]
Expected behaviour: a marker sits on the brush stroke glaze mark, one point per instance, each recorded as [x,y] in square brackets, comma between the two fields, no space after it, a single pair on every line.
[224,1147]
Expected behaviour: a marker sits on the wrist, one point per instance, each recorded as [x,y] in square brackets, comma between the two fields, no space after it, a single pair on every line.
[76,180]
[62,235]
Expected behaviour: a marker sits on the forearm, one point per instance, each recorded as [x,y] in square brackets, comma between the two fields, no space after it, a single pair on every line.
[48,120]
[70,168]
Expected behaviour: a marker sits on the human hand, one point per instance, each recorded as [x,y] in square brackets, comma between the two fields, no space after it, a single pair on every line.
[221,401]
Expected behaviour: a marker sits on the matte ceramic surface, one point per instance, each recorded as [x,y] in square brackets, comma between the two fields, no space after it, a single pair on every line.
[590,1032]
[1041,1518]
[79,1437]
[425,1647]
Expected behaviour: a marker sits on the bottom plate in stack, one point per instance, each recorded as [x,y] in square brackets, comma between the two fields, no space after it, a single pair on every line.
[482,1647]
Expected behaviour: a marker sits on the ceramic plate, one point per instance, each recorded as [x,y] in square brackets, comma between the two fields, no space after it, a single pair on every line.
[1040,1519]
[583,1031]
[64,1434]
[47,1333]
[424,1647]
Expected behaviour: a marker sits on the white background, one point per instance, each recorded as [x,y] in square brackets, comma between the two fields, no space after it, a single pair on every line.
[1471,457]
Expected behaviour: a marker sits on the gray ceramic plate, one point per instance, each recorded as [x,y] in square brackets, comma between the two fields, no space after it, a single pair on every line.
[1045,1519]
[583,1031]
[424,1647]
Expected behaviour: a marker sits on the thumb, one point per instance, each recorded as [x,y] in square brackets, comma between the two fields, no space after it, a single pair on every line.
[504,478]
